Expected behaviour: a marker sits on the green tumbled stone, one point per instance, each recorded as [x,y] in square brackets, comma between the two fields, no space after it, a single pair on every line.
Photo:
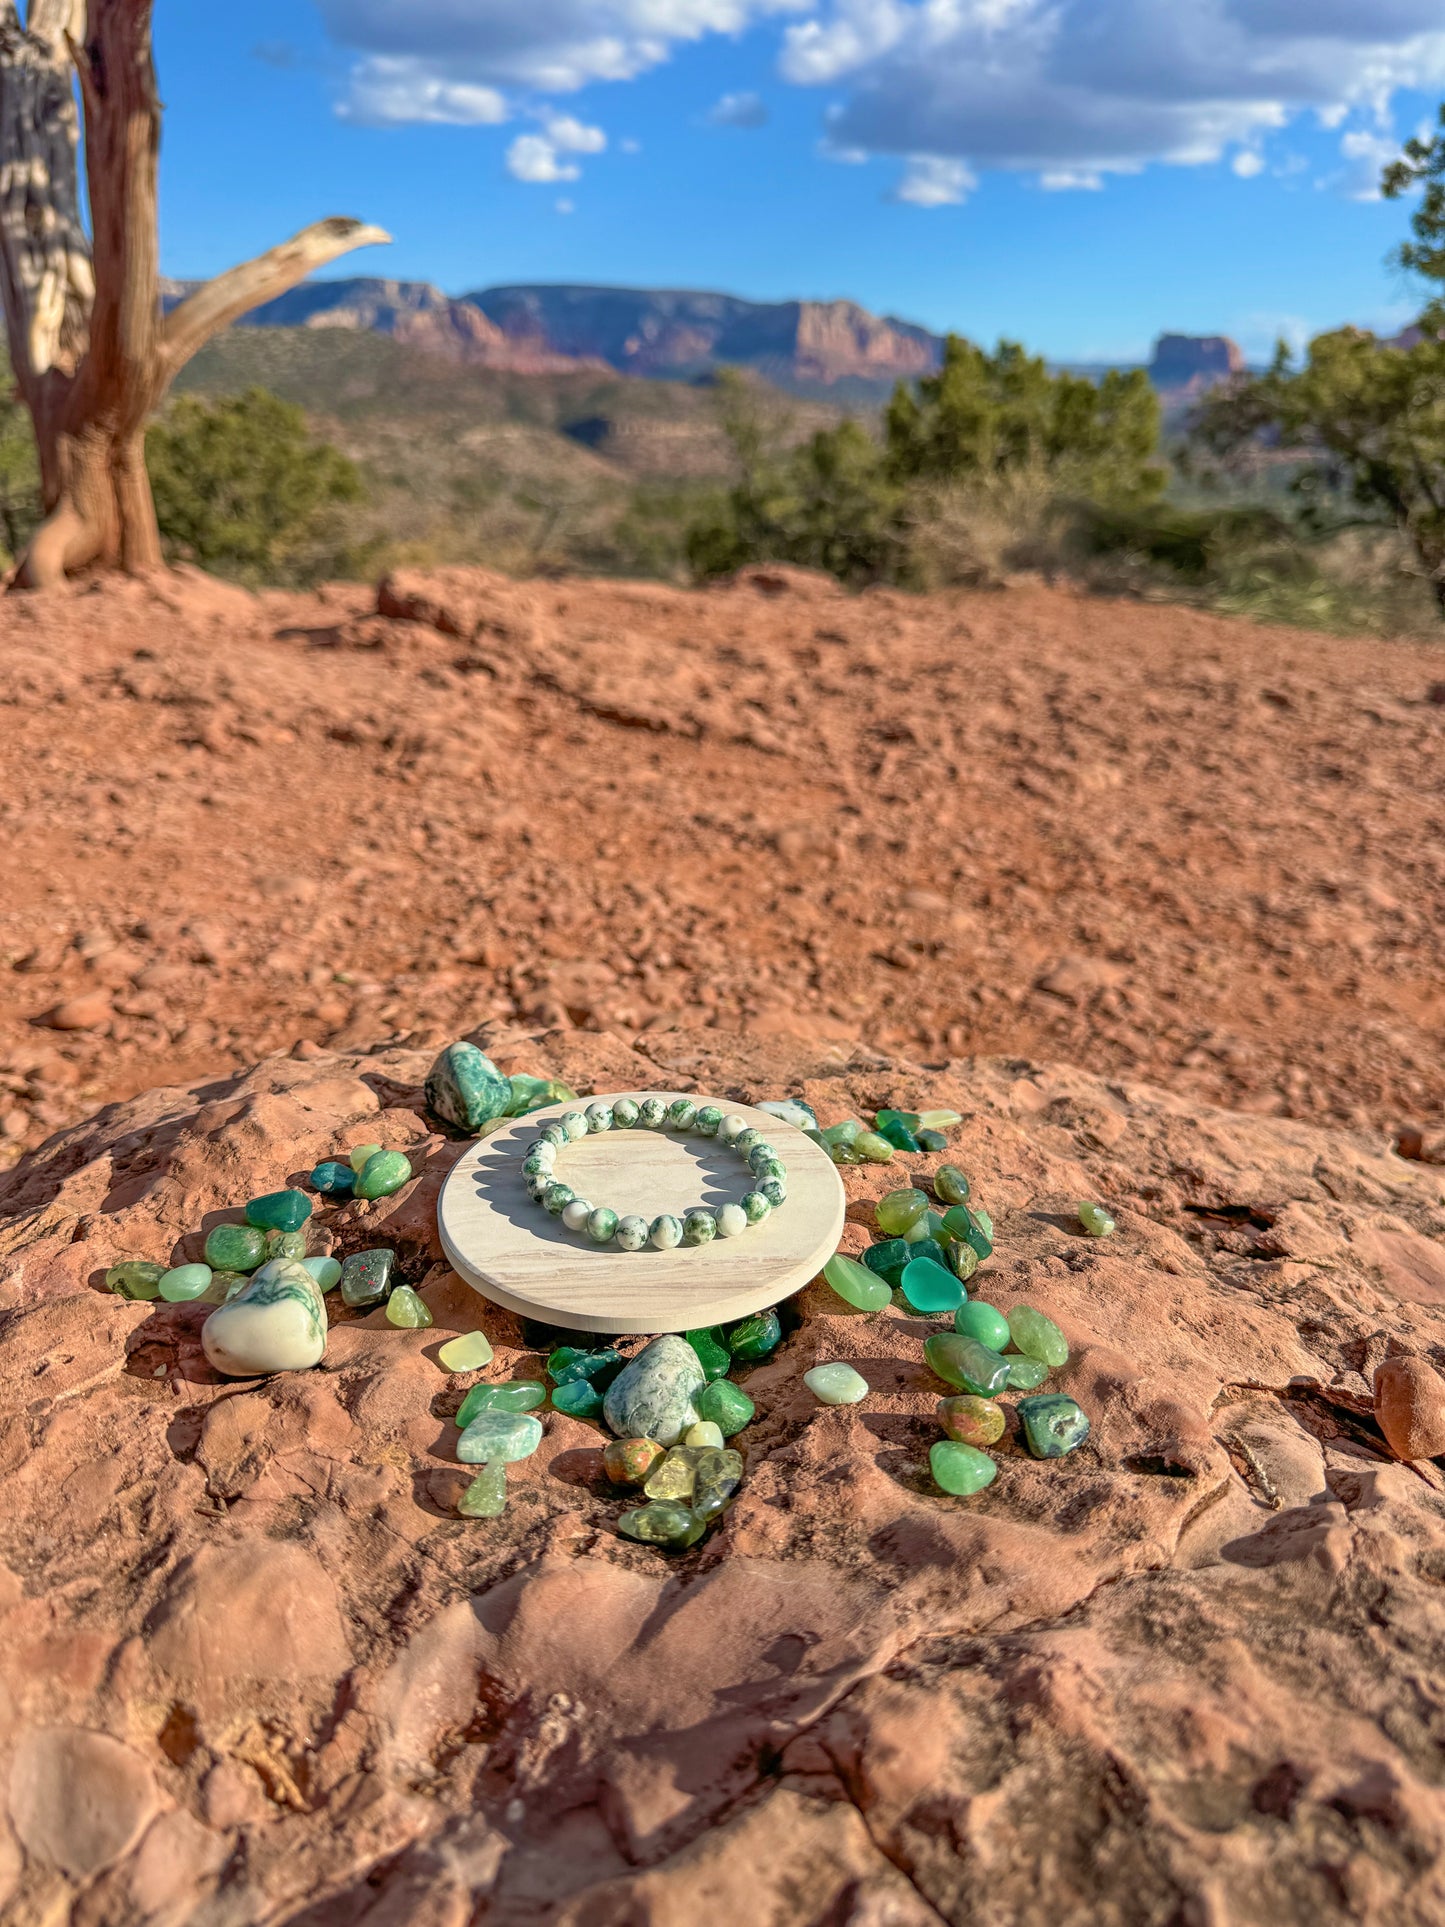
[1096,1220]
[984,1222]
[910,1120]
[961,1469]
[578,1398]
[1025,1374]
[713,1355]
[224,1286]
[533,1093]
[184,1282]
[836,1384]
[930,1225]
[674,1476]
[465,1088]
[898,1135]
[754,1338]
[931,1140]
[366,1276]
[1037,1336]
[965,1363]
[970,1227]
[717,1475]
[726,1405]
[388,1171]
[962,1259]
[468,1352]
[985,1324]
[705,1432]
[938,1120]
[486,1496]
[1052,1424]
[326,1271]
[972,1421]
[856,1284]
[360,1156]
[563,1357]
[699,1227]
[876,1149]
[406,1309]
[898,1211]
[235,1247]
[333,1179]
[511,1395]
[951,1185]
[568,1365]
[499,1436]
[792,1110]
[279,1210]
[663,1522]
[844,1131]
[929,1288]
[285,1244]
[601,1225]
[889,1259]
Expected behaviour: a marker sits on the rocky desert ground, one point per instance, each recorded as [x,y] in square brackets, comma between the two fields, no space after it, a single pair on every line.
[1151,898]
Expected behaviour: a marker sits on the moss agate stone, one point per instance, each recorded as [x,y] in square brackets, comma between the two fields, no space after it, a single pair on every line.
[717,1474]
[755,1337]
[665,1523]
[510,1395]
[965,1363]
[929,1288]
[985,1323]
[279,1210]
[899,1211]
[276,1324]
[1052,1424]
[651,1112]
[653,1395]
[699,1227]
[333,1179]
[465,1089]
[555,1197]
[951,1185]
[235,1247]
[961,1469]
[136,1278]
[1025,1374]
[962,1259]
[775,1190]
[486,1496]
[501,1437]
[366,1276]
[629,1461]
[970,1420]
[836,1384]
[755,1207]
[579,1398]
[1038,1337]
[182,1283]
[681,1114]
[726,1406]
[466,1353]
[712,1354]
[382,1174]
[407,1309]
[856,1284]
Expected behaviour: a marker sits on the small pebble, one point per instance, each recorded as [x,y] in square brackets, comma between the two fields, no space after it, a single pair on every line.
[1410,1407]
[966,1363]
[629,1461]
[326,1271]
[836,1384]
[1096,1220]
[406,1309]
[898,1211]
[755,1337]
[951,1185]
[984,1322]
[466,1353]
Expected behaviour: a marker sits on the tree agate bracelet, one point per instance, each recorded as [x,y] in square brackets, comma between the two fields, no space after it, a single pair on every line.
[702,1223]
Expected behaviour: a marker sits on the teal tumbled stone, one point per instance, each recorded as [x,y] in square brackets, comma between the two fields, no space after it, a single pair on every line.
[754,1337]
[663,1522]
[931,1140]
[1037,1336]
[235,1247]
[910,1120]
[897,1133]
[965,1363]
[499,1437]
[578,1398]
[465,1089]
[366,1276]
[569,1365]
[929,1288]
[961,1469]
[326,1271]
[182,1283]
[279,1210]
[1052,1424]
[333,1179]
[889,1259]
[1025,1374]
[951,1185]
[512,1395]
[984,1323]
[713,1355]
[382,1174]
[486,1496]
[961,1223]
[725,1405]
[857,1284]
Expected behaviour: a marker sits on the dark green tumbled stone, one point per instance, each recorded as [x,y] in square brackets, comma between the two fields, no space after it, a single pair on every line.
[366,1276]
[1053,1424]
[962,1259]
[713,1355]
[279,1210]
[755,1337]
[465,1088]
[889,1258]
[333,1179]
[235,1247]
[570,1365]
[931,1140]
[663,1522]
[579,1398]
[898,1135]
[725,1405]
[951,1185]
[967,1364]
[961,1223]
[910,1120]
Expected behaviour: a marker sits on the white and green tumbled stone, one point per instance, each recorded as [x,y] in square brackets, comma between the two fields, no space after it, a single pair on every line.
[602,1225]
[681,1113]
[624,1113]
[732,1220]
[651,1113]
[836,1384]
[652,1396]
[792,1110]
[632,1232]
[499,1438]
[665,1232]
[699,1226]
[465,1088]
[775,1190]
[276,1324]
[731,1128]
[755,1206]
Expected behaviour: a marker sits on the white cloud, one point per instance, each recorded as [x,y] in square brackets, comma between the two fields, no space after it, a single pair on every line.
[629,146]
[572,135]
[533,158]
[1076,90]
[931,182]
[1060,180]
[739,110]
[565,207]
[1247,164]
[389,90]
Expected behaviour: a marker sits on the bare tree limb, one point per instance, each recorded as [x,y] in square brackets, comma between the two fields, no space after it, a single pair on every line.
[190,325]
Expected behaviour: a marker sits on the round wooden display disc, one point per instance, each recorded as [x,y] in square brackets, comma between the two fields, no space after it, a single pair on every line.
[506,1246]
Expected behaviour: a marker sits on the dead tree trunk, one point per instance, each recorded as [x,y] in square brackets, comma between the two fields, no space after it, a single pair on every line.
[92,354]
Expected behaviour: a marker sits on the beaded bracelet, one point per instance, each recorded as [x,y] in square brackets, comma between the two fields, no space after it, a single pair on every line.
[702,1223]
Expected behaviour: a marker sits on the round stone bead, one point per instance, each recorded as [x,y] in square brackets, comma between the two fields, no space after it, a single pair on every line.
[755,1206]
[699,1226]
[665,1232]
[746,1140]
[280,1210]
[650,1113]
[732,1128]
[760,1155]
[775,1190]
[557,1195]
[771,1170]
[534,1164]
[555,1134]
[707,1121]
[624,1113]
[573,1124]
[599,1117]
[681,1113]
[536,1183]
[602,1225]
[235,1247]
[732,1220]
[575,1214]
[631,1232]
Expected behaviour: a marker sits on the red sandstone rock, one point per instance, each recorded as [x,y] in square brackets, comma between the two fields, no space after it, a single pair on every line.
[1410,1407]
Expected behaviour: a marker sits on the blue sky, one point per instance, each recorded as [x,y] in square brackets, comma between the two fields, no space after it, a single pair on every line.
[1078,174]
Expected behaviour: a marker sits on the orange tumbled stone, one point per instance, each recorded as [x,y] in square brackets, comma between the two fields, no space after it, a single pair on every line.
[1410,1407]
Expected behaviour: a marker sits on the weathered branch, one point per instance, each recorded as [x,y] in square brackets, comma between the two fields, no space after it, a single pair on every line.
[190,326]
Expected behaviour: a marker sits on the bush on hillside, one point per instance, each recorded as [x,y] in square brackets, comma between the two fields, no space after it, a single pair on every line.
[242,487]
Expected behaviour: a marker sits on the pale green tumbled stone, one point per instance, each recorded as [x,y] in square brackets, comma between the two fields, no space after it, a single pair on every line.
[361,1156]
[182,1283]
[876,1149]
[663,1522]
[382,1174]
[938,1120]
[1037,1336]
[499,1437]
[899,1210]
[665,1232]
[406,1309]
[285,1244]
[836,1384]
[326,1271]
[705,1432]
[486,1496]
[466,1353]
[1095,1220]
[856,1284]
[1025,1374]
